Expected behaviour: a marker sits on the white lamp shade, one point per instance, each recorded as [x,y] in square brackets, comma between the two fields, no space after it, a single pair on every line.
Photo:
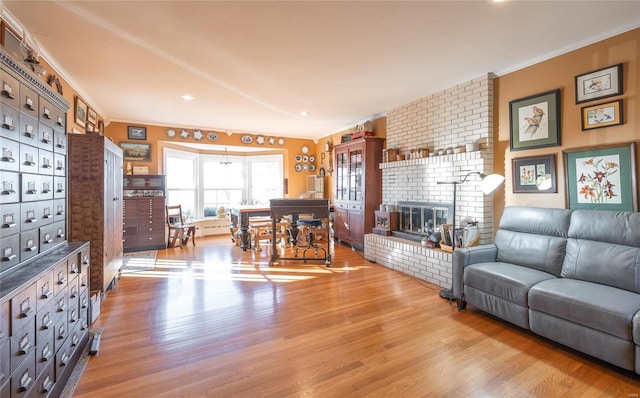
[490,183]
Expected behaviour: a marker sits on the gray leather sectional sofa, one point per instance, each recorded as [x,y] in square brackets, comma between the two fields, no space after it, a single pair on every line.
[572,276]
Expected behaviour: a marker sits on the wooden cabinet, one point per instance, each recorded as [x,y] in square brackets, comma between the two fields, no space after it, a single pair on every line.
[44,325]
[95,203]
[144,213]
[358,191]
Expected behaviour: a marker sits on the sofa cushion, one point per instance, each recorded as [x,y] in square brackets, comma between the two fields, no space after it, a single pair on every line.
[603,308]
[604,248]
[508,281]
[533,237]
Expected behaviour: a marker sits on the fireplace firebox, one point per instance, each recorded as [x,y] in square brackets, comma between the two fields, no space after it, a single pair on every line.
[421,219]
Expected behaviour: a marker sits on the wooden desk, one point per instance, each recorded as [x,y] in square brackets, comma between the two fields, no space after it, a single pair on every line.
[318,208]
[240,219]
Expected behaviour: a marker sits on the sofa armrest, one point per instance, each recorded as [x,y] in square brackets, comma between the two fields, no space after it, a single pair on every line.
[467,256]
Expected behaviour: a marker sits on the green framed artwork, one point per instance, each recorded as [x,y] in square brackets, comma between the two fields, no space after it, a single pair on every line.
[535,121]
[602,178]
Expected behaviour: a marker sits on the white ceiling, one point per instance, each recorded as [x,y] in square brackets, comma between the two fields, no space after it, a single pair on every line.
[254,66]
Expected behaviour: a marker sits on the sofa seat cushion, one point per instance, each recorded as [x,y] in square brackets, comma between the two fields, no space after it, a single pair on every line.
[507,281]
[600,307]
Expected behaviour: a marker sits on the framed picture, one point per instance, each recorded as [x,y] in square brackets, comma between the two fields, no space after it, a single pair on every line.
[535,121]
[534,174]
[137,133]
[92,116]
[90,127]
[602,115]
[601,83]
[134,152]
[81,112]
[602,178]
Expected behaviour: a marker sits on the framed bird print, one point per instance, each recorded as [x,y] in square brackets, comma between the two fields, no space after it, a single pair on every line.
[535,121]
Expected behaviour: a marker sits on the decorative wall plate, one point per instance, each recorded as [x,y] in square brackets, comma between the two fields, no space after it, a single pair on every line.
[298,167]
[298,158]
[280,141]
[184,134]
[305,158]
[272,140]
[305,167]
[197,135]
[305,149]
[246,139]
[260,140]
[213,136]
[312,167]
[171,133]
[312,159]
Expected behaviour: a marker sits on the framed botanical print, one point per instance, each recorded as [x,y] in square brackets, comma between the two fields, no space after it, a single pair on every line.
[534,174]
[602,178]
[535,121]
[602,115]
[602,83]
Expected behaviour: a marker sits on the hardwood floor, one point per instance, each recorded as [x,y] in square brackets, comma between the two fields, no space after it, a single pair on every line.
[213,321]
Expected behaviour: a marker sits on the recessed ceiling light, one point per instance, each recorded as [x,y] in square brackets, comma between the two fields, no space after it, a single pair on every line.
[304,113]
[187,97]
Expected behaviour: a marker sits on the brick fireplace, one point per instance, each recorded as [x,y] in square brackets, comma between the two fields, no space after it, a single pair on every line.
[452,118]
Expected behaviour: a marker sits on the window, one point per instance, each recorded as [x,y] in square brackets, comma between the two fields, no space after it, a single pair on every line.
[180,181]
[200,183]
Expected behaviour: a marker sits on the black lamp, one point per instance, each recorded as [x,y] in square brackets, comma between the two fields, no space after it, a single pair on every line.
[489,184]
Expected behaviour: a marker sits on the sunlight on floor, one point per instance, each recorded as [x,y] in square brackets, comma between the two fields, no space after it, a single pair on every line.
[246,272]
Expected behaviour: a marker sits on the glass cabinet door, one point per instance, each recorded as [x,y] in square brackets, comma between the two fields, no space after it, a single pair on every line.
[355,175]
[342,177]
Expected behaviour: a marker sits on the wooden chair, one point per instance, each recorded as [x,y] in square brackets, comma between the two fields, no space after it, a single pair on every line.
[262,231]
[179,232]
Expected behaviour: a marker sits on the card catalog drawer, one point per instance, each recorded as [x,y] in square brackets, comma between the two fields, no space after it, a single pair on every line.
[59,210]
[9,219]
[9,187]
[46,161]
[9,252]
[59,142]
[29,158]
[9,154]
[60,187]
[59,164]
[23,308]
[10,90]
[28,130]
[29,244]
[29,101]
[9,122]
[45,136]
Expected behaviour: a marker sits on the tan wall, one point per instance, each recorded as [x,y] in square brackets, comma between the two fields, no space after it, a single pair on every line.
[158,139]
[559,73]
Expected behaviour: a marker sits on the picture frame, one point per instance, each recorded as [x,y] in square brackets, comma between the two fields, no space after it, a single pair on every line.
[137,133]
[80,115]
[92,116]
[602,178]
[534,174]
[90,127]
[535,121]
[136,152]
[601,83]
[602,115]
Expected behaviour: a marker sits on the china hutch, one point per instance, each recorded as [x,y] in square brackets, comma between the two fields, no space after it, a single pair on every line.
[358,191]
[143,212]
[44,279]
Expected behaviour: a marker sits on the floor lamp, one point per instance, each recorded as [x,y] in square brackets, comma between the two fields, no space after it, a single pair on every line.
[489,184]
